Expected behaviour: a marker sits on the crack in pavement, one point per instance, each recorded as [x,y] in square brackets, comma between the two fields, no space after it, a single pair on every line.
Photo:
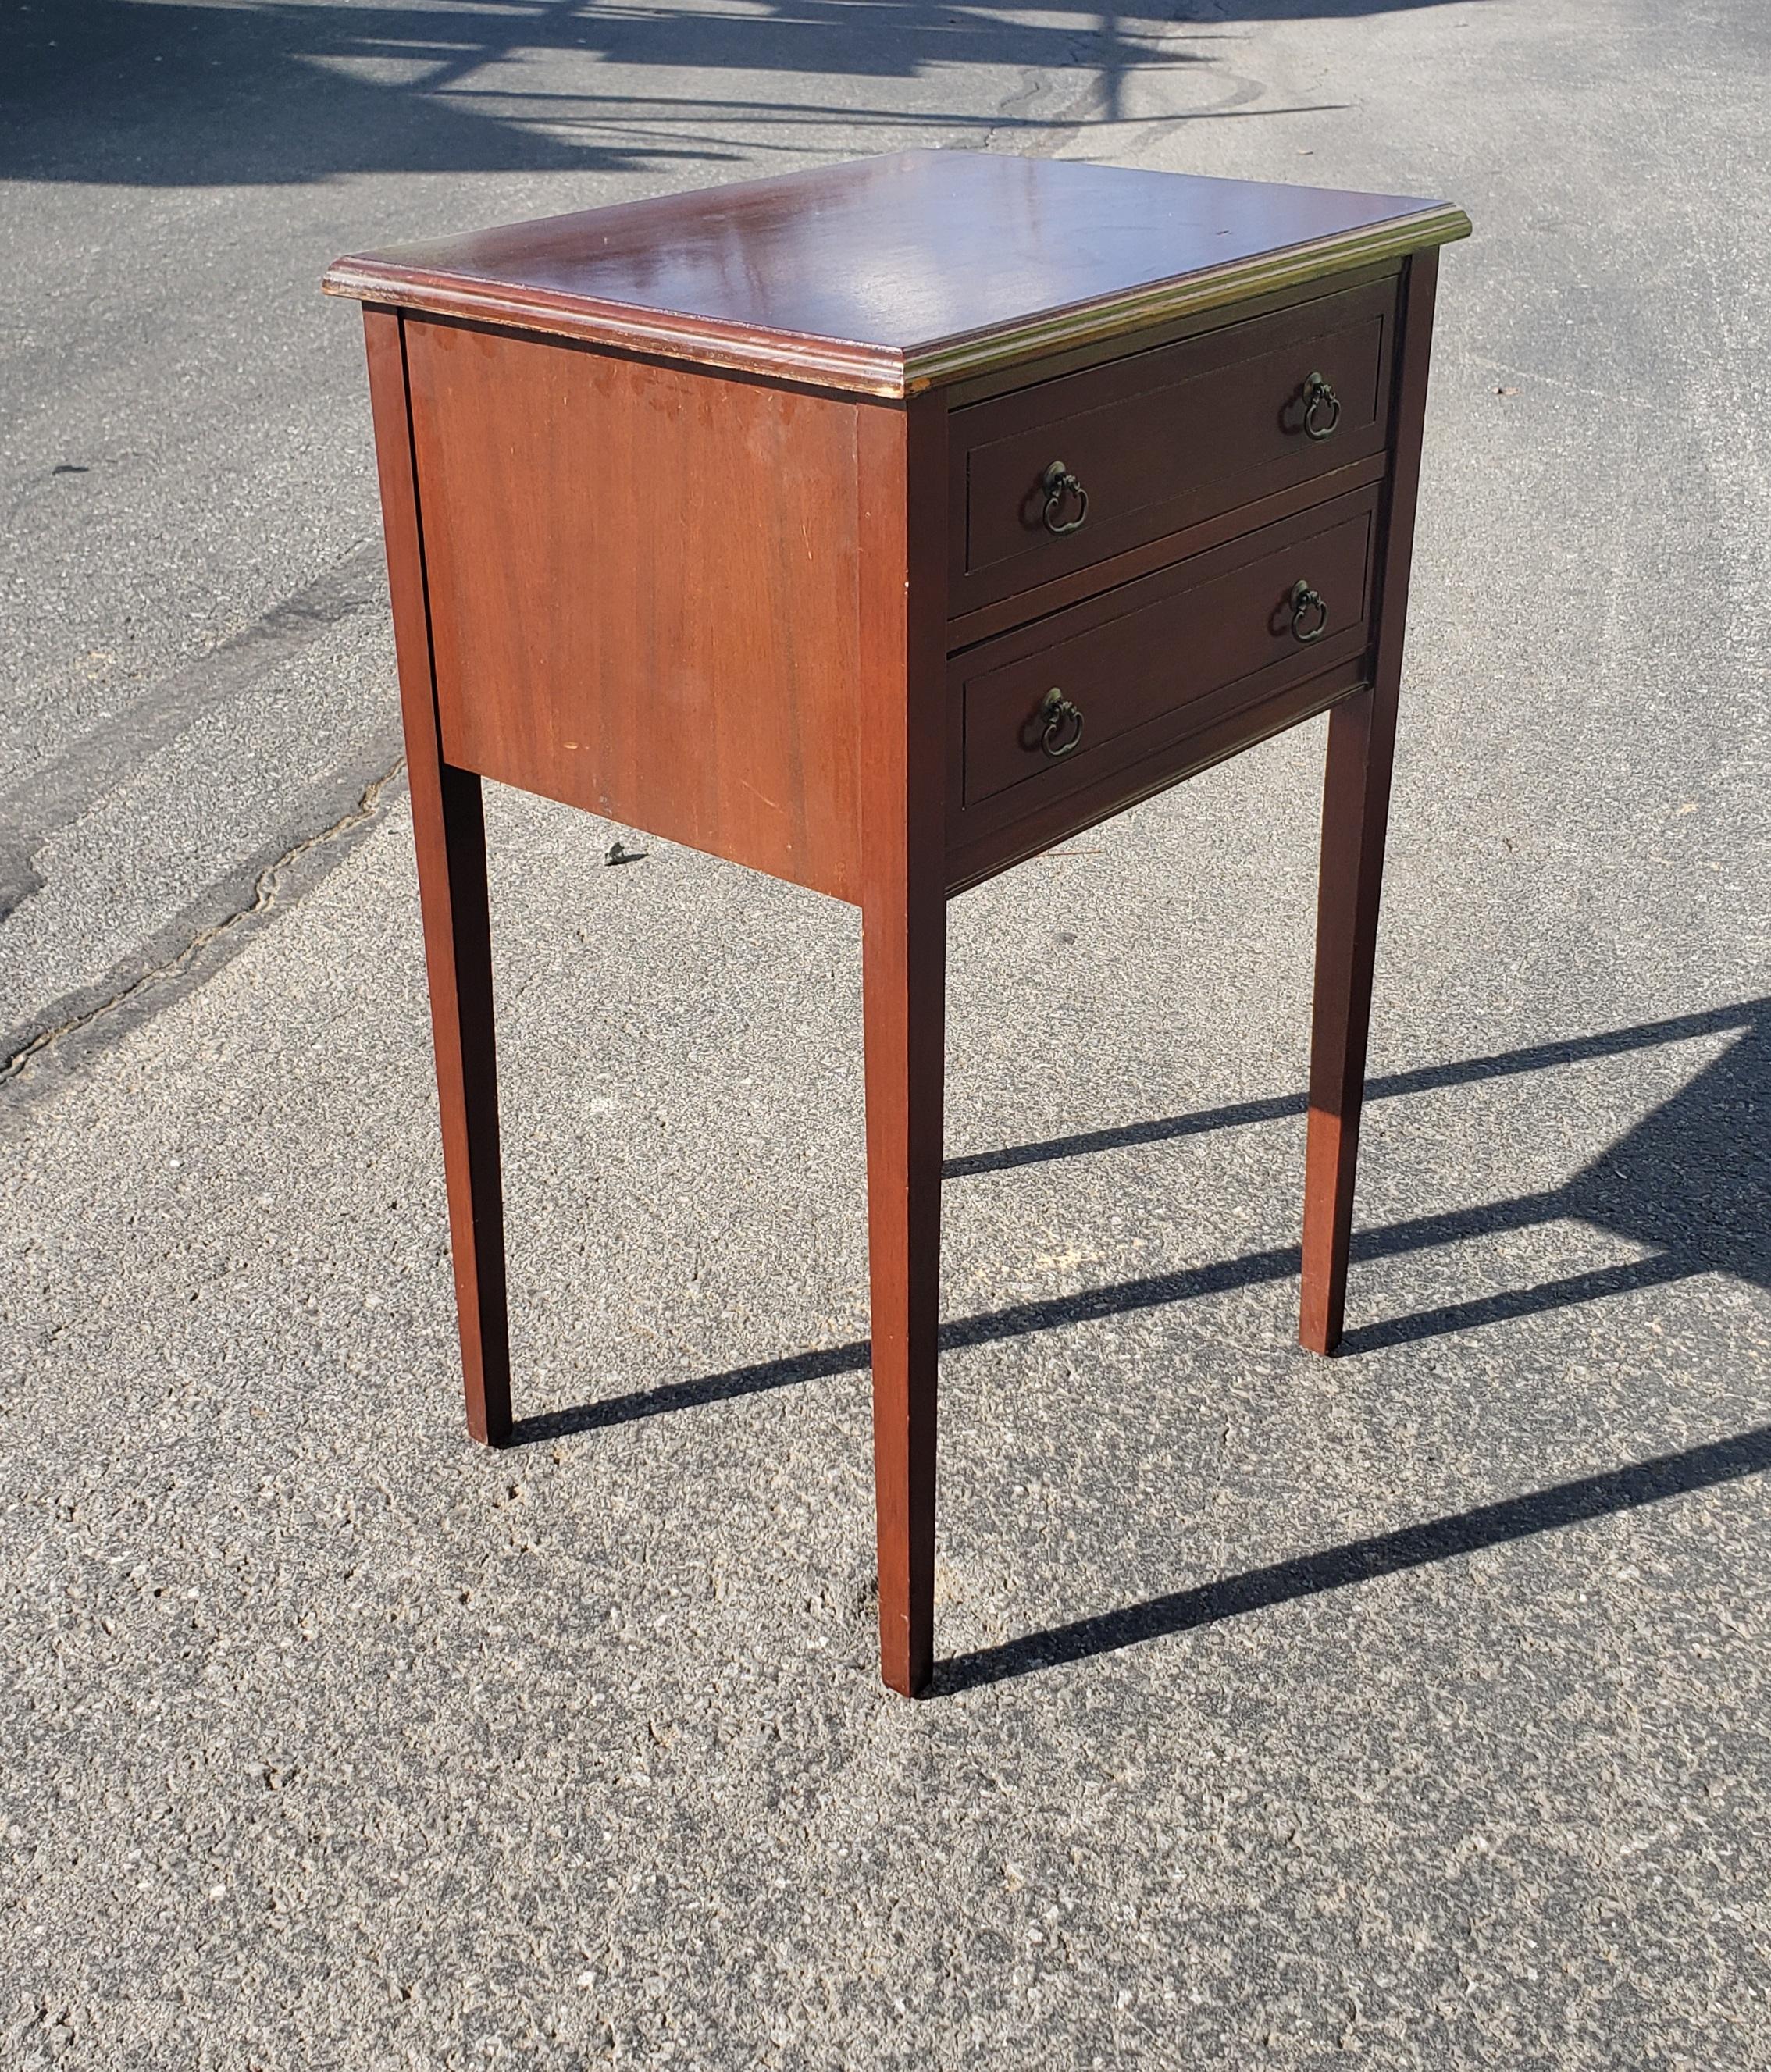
[266,887]
[1113,57]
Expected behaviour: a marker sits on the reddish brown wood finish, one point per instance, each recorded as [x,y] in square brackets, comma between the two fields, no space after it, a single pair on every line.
[904,909]
[963,393]
[643,587]
[1213,632]
[686,575]
[890,274]
[1355,815]
[450,834]
[1011,613]
[1163,439]
[1220,736]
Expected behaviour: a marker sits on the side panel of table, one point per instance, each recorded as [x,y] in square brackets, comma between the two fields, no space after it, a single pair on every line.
[796,645]
[643,592]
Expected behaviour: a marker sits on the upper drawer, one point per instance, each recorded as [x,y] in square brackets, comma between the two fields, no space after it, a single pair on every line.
[1059,476]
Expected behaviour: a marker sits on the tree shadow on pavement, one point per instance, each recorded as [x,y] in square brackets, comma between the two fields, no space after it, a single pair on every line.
[152,93]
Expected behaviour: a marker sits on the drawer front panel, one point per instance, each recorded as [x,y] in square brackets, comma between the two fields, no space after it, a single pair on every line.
[1151,661]
[1165,438]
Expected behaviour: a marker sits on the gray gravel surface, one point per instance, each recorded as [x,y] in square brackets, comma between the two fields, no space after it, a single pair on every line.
[1409,1704]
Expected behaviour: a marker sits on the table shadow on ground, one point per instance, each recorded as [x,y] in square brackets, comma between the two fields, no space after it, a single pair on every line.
[1691,1183]
[1487,1525]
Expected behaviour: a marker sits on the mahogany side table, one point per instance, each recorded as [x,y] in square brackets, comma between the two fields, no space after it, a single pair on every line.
[877,527]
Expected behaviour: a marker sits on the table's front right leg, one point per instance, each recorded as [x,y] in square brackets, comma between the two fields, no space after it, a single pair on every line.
[1356,799]
[903,958]
[901,730]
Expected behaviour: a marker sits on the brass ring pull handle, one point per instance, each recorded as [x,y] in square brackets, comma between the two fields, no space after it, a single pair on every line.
[1304,601]
[1063,724]
[1321,407]
[1059,485]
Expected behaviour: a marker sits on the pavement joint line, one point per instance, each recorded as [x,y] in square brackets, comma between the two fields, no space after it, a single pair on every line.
[266,888]
[60,792]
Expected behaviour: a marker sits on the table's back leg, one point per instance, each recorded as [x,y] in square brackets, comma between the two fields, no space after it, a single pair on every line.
[1355,815]
[449,828]
[1355,806]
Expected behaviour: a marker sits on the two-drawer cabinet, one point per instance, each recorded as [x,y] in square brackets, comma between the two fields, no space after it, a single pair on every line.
[1157,560]
[876,527]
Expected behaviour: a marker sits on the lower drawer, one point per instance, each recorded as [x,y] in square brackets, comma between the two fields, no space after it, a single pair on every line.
[1091,702]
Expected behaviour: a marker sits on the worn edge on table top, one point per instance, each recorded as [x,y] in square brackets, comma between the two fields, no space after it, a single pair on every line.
[880,370]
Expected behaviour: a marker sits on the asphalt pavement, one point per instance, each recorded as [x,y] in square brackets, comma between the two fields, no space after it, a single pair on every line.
[1409,1705]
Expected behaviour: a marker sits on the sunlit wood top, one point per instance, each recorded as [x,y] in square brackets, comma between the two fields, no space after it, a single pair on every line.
[889,275]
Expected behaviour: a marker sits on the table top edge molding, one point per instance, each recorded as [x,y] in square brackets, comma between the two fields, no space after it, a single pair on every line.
[883,372]
[1138,308]
[866,370]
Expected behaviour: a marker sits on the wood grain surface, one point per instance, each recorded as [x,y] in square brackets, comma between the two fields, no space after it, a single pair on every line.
[813,632]
[1152,651]
[901,692]
[1163,439]
[643,593]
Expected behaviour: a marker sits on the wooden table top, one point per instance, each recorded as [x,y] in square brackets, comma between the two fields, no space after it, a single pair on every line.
[889,275]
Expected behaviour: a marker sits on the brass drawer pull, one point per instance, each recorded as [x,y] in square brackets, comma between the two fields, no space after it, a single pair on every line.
[1318,397]
[1304,600]
[1063,724]
[1059,483]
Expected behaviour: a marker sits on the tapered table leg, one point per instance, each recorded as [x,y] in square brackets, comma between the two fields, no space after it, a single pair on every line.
[449,826]
[904,986]
[1356,801]
[1355,816]
[451,843]
[901,479]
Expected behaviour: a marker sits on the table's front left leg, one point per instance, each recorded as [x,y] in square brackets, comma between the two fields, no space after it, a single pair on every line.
[449,829]
[449,823]
[901,731]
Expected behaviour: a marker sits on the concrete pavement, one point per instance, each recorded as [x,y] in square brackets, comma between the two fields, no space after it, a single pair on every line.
[1409,1704]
